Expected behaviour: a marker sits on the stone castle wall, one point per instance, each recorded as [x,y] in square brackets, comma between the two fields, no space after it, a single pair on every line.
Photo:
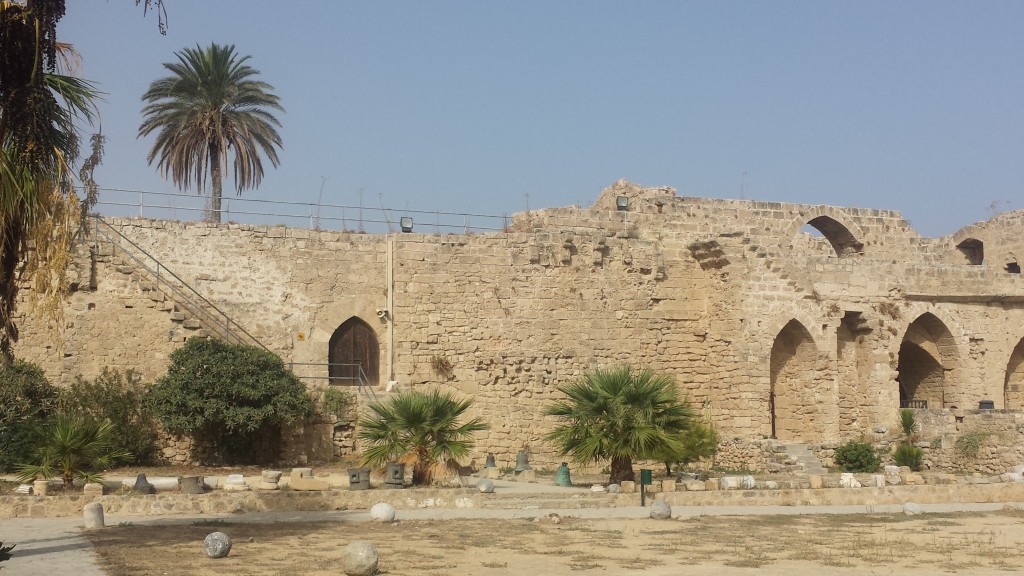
[774,331]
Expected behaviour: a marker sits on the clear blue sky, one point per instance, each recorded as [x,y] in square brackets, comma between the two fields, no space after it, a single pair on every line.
[915,106]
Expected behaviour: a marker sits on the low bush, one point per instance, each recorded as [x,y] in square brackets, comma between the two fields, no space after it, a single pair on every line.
[338,403]
[26,398]
[857,456]
[121,399]
[908,455]
[230,396]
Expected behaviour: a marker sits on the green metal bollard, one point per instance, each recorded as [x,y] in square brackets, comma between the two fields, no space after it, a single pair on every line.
[646,479]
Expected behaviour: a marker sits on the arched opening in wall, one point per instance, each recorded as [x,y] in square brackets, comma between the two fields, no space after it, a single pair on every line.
[973,250]
[928,355]
[1013,391]
[839,236]
[353,354]
[794,402]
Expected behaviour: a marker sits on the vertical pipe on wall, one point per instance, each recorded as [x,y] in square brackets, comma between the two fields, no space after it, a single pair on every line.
[390,279]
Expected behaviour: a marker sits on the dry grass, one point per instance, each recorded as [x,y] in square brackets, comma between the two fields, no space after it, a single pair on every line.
[881,544]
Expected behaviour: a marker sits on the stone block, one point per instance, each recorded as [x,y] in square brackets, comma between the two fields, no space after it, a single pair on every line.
[92,489]
[668,485]
[712,484]
[309,484]
[267,485]
[816,482]
[878,480]
[527,476]
[892,476]
[300,473]
[695,486]
[628,486]
[913,479]
[92,515]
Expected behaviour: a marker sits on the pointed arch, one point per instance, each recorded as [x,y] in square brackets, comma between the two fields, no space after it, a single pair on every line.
[927,358]
[797,402]
[1013,386]
[354,354]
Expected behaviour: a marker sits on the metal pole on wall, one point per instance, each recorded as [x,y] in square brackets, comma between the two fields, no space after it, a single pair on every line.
[390,280]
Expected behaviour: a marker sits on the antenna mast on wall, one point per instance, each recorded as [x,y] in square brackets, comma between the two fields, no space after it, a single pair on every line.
[380,196]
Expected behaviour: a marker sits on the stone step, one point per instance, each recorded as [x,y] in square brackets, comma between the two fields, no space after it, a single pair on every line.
[806,458]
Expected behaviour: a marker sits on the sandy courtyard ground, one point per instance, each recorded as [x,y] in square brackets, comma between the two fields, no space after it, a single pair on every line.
[967,543]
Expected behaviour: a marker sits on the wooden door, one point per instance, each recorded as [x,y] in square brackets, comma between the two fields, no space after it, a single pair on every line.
[354,345]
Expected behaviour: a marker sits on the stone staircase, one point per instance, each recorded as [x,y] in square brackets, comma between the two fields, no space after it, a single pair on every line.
[189,312]
[805,458]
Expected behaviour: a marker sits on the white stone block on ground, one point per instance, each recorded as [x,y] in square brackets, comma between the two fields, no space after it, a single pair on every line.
[382,512]
[892,475]
[359,559]
[660,510]
[92,514]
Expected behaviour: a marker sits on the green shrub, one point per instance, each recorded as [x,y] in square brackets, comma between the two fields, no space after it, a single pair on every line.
[228,395]
[120,398]
[339,403]
[908,455]
[26,398]
[857,456]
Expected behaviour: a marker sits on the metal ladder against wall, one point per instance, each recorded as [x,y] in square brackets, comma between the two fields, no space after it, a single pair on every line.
[179,291]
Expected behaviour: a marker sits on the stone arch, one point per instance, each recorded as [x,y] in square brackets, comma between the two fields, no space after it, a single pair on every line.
[798,399]
[928,359]
[842,234]
[973,251]
[353,354]
[1013,386]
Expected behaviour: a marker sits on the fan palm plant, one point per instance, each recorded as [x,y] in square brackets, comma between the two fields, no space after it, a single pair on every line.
[619,414]
[73,448]
[211,104]
[421,428]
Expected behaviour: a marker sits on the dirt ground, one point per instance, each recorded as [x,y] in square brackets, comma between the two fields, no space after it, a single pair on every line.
[990,543]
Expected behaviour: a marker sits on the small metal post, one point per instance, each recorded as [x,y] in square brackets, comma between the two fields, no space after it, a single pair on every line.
[643,494]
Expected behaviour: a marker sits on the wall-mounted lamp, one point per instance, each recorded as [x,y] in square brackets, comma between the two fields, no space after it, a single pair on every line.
[406,223]
[621,202]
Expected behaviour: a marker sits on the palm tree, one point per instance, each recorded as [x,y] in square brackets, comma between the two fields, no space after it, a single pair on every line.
[74,448]
[210,104]
[619,414]
[421,428]
[38,144]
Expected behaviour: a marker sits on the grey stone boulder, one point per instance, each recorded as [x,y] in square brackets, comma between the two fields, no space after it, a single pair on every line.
[217,545]
[382,512]
[359,559]
[614,488]
[485,486]
[660,510]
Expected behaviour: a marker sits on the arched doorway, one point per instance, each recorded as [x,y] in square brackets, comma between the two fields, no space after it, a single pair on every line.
[928,354]
[353,354]
[794,402]
[1013,391]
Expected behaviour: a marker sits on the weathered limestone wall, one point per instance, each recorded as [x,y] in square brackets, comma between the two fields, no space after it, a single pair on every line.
[778,332]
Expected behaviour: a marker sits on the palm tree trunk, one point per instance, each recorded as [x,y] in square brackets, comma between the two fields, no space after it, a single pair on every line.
[9,260]
[421,468]
[215,176]
[622,469]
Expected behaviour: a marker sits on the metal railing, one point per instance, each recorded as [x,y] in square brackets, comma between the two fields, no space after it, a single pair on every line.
[184,294]
[352,373]
[315,215]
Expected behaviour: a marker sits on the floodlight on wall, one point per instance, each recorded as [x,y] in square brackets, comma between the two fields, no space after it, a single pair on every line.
[406,223]
[621,203]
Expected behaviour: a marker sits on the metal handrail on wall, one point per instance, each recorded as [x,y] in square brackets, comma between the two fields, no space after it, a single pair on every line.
[359,377]
[160,272]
